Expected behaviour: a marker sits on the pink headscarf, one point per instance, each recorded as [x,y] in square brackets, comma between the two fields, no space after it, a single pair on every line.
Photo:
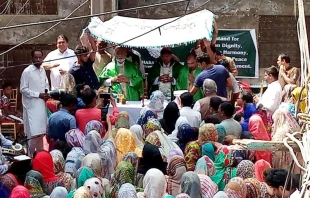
[20,192]
[75,138]
[283,123]
[259,132]
[260,166]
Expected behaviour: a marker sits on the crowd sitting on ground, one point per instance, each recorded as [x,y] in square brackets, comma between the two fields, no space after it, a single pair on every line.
[180,150]
[170,152]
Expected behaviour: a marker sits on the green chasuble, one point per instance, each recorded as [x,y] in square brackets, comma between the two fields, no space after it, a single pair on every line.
[155,72]
[131,71]
[182,81]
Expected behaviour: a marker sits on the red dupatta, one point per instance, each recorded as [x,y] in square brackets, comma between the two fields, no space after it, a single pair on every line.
[259,132]
[43,162]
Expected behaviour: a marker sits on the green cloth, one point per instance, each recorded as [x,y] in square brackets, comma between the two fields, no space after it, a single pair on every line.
[223,171]
[131,71]
[155,72]
[125,173]
[222,133]
[182,81]
[83,174]
[208,150]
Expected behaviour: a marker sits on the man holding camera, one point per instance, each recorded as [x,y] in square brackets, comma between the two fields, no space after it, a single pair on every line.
[33,87]
[91,110]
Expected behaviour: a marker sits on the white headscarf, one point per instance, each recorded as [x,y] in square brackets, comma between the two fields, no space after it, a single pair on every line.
[181,120]
[127,190]
[157,100]
[59,192]
[138,133]
[166,144]
[154,184]
[220,194]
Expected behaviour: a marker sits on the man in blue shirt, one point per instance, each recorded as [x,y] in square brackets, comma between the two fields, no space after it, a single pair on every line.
[217,73]
[83,71]
[62,121]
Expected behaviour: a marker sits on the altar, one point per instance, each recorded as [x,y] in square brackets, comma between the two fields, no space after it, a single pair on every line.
[133,109]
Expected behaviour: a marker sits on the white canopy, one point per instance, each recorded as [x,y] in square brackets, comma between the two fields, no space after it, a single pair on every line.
[185,30]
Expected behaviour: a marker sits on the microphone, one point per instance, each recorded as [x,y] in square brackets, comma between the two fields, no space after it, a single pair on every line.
[46,91]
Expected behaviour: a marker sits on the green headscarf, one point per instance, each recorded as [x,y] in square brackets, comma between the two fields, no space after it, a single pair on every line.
[223,171]
[222,133]
[208,150]
[82,175]
[125,173]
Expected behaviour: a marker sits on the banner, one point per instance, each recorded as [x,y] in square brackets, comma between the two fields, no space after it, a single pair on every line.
[241,45]
[172,31]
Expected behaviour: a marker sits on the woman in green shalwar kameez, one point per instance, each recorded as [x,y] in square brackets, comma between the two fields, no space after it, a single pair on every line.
[223,168]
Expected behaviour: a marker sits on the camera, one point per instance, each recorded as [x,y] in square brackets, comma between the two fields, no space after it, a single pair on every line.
[106,103]
[57,94]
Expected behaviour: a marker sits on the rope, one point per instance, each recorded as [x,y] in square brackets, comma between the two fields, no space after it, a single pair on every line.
[41,33]
[192,11]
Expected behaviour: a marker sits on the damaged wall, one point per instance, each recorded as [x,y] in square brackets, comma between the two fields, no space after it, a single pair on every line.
[72,29]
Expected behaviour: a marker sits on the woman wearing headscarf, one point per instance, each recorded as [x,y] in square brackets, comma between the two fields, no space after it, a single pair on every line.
[125,142]
[256,189]
[236,188]
[132,158]
[283,123]
[59,192]
[95,125]
[148,115]
[190,184]
[162,141]
[185,135]
[127,190]
[207,133]
[245,169]
[105,148]
[205,166]
[34,184]
[260,166]
[176,168]
[151,158]
[122,120]
[75,138]
[83,174]
[208,187]
[151,126]
[258,130]
[156,104]
[20,192]
[7,183]
[59,168]
[94,162]
[180,121]
[223,167]
[137,131]
[43,162]
[82,192]
[125,173]
[173,152]
[154,184]
[96,187]
[171,115]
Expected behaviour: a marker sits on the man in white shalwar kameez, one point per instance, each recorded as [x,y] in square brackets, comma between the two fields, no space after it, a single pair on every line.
[32,87]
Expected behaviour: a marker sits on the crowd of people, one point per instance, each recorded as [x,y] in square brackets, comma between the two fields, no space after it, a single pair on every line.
[176,150]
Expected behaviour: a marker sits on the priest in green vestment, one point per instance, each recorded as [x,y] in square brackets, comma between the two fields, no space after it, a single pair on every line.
[187,76]
[163,74]
[123,76]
